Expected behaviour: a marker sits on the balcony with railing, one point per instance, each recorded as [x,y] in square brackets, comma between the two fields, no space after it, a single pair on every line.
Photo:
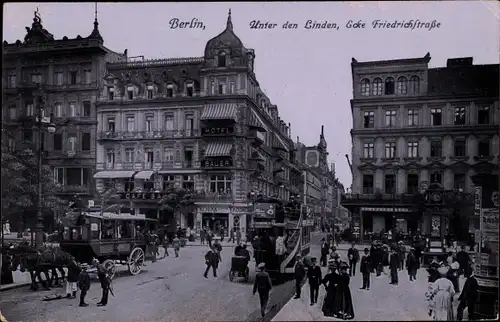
[157,134]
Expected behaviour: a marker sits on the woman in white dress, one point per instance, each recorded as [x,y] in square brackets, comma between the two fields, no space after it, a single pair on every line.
[443,291]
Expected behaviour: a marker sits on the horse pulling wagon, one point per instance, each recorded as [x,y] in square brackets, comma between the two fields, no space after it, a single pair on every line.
[111,238]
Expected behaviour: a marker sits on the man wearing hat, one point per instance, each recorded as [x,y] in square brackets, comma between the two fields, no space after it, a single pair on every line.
[412,264]
[393,266]
[103,276]
[365,268]
[300,273]
[401,250]
[83,283]
[314,277]
[468,298]
[263,285]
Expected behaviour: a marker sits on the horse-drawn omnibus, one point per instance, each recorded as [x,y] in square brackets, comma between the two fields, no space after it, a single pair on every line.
[281,232]
[111,238]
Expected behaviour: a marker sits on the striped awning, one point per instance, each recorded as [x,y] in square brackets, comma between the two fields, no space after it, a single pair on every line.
[254,123]
[145,175]
[218,149]
[113,174]
[219,112]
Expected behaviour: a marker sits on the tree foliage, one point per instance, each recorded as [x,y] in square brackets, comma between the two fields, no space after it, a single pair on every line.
[177,200]
[20,185]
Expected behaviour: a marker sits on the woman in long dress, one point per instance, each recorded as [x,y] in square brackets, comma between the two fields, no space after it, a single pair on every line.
[343,308]
[330,282]
[443,292]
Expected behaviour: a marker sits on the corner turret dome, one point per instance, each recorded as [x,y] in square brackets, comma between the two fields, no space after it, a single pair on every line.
[225,40]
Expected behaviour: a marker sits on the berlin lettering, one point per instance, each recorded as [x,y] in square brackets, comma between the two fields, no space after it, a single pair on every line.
[217,163]
[217,130]
[176,23]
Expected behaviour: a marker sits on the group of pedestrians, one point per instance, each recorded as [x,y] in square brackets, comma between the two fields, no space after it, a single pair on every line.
[79,278]
[444,286]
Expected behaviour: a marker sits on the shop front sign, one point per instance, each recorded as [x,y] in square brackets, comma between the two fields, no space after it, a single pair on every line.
[217,130]
[217,163]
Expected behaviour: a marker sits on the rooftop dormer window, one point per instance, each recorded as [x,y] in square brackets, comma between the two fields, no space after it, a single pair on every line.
[170,90]
[221,60]
[150,92]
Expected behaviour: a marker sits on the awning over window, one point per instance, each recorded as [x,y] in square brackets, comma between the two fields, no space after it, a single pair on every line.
[113,174]
[219,112]
[145,175]
[218,149]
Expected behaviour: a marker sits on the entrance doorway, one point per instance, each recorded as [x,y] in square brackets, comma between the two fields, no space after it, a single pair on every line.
[215,222]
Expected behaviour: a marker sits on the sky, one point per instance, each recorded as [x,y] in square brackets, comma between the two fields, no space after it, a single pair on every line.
[306,73]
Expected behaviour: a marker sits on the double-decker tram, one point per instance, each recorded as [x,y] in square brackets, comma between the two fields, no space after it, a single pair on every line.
[280,232]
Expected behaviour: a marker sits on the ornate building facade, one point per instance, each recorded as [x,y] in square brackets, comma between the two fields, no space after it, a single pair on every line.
[200,123]
[69,72]
[416,129]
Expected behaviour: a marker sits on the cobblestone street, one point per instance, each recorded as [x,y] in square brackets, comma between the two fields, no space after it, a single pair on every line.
[168,290]
[383,302]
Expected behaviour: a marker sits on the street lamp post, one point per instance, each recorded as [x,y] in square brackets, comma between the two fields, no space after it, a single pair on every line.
[41,123]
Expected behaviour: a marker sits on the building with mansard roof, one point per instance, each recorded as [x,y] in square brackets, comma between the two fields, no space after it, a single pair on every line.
[199,123]
[70,72]
[420,136]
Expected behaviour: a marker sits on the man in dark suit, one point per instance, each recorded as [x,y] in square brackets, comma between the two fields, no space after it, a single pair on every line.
[314,277]
[393,266]
[365,268]
[463,259]
[263,285]
[468,298]
[211,260]
[353,255]
[300,273]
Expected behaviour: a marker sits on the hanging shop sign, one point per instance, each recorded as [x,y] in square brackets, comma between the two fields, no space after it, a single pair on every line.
[217,130]
[385,209]
[217,163]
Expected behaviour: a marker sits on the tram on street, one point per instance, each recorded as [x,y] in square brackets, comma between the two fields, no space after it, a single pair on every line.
[280,232]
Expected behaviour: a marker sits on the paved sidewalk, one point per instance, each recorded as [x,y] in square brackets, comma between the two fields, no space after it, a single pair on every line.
[383,302]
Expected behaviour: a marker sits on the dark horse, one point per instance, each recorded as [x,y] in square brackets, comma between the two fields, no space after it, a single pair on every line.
[37,261]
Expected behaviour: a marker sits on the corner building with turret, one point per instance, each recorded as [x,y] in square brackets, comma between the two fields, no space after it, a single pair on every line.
[199,123]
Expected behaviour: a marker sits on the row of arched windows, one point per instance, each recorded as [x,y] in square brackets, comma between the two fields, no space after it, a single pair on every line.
[389,87]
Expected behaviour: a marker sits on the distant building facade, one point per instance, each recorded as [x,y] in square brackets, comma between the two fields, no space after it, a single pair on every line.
[69,72]
[420,129]
[202,124]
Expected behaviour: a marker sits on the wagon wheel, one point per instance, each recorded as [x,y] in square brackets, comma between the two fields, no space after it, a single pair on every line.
[110,267]
[135,261]
[231,276]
